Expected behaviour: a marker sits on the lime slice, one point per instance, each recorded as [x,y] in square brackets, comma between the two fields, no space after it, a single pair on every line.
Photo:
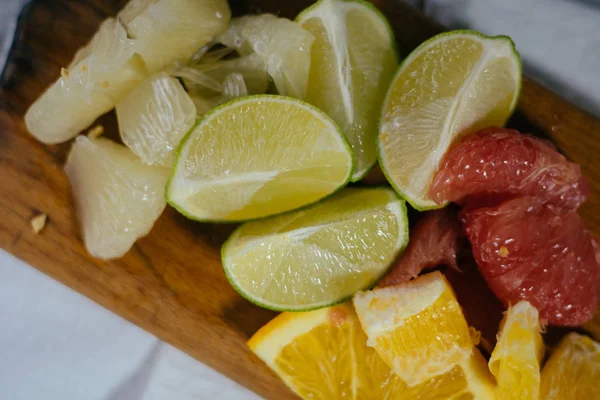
[453,84]
[320,255]
[258,156]
[353,61]
[283,46]
[154,117]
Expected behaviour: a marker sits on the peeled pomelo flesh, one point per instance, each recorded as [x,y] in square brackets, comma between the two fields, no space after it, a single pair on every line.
[206,79]
[527,250]
[118,198]
[283,45]
[212,82]
[154,117]
[165,31]
[498,162]
[100,75]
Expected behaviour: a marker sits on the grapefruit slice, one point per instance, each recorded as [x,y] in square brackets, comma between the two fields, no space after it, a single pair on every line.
[435,241]
[503,163]
[530,251]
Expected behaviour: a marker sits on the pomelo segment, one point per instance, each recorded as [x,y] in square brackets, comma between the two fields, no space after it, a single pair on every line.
[213,81]
[283,46]
[118,199]
[154,117]
[165,31]
[100,75]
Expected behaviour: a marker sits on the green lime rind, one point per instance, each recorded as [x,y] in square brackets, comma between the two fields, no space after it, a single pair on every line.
[368,7]
[403,239]
[261,97]
[417,204]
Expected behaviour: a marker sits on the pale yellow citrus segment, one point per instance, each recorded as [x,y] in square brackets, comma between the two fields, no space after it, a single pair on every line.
[352,63]
[118,198]
[323,354]
[100,75]
[283,46]
[416,323]
[154,117]
[573,370]
[454,84]
[515,361]
[165,31]
[320,255]
[258,156]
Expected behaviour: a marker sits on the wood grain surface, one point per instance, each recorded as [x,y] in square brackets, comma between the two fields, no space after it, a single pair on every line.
[171,283]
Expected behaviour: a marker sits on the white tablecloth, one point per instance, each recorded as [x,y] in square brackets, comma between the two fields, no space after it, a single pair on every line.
[56,344]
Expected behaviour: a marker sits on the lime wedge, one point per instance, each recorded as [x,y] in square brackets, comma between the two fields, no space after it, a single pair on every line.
[258,156]
[320,255]
[353,60]
[453,84]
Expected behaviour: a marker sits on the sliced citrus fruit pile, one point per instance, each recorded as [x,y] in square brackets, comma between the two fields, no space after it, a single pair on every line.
[573,370]
[419,330]
[154,117]
[352,63]
[100,75]
[323,354]
[165,31]
[509,184]
[283,46]
[320,255]
[453,84]
[516,359]
[117,197]
[258,156]
[147,36]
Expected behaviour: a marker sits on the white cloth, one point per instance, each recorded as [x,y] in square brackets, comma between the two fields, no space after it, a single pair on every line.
[56,344]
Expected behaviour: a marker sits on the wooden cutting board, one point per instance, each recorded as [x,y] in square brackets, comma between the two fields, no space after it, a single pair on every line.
[171,283]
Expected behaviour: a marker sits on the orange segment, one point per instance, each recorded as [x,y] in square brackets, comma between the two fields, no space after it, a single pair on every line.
[515,361]
[416,323]
[573,370]
[323,354]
